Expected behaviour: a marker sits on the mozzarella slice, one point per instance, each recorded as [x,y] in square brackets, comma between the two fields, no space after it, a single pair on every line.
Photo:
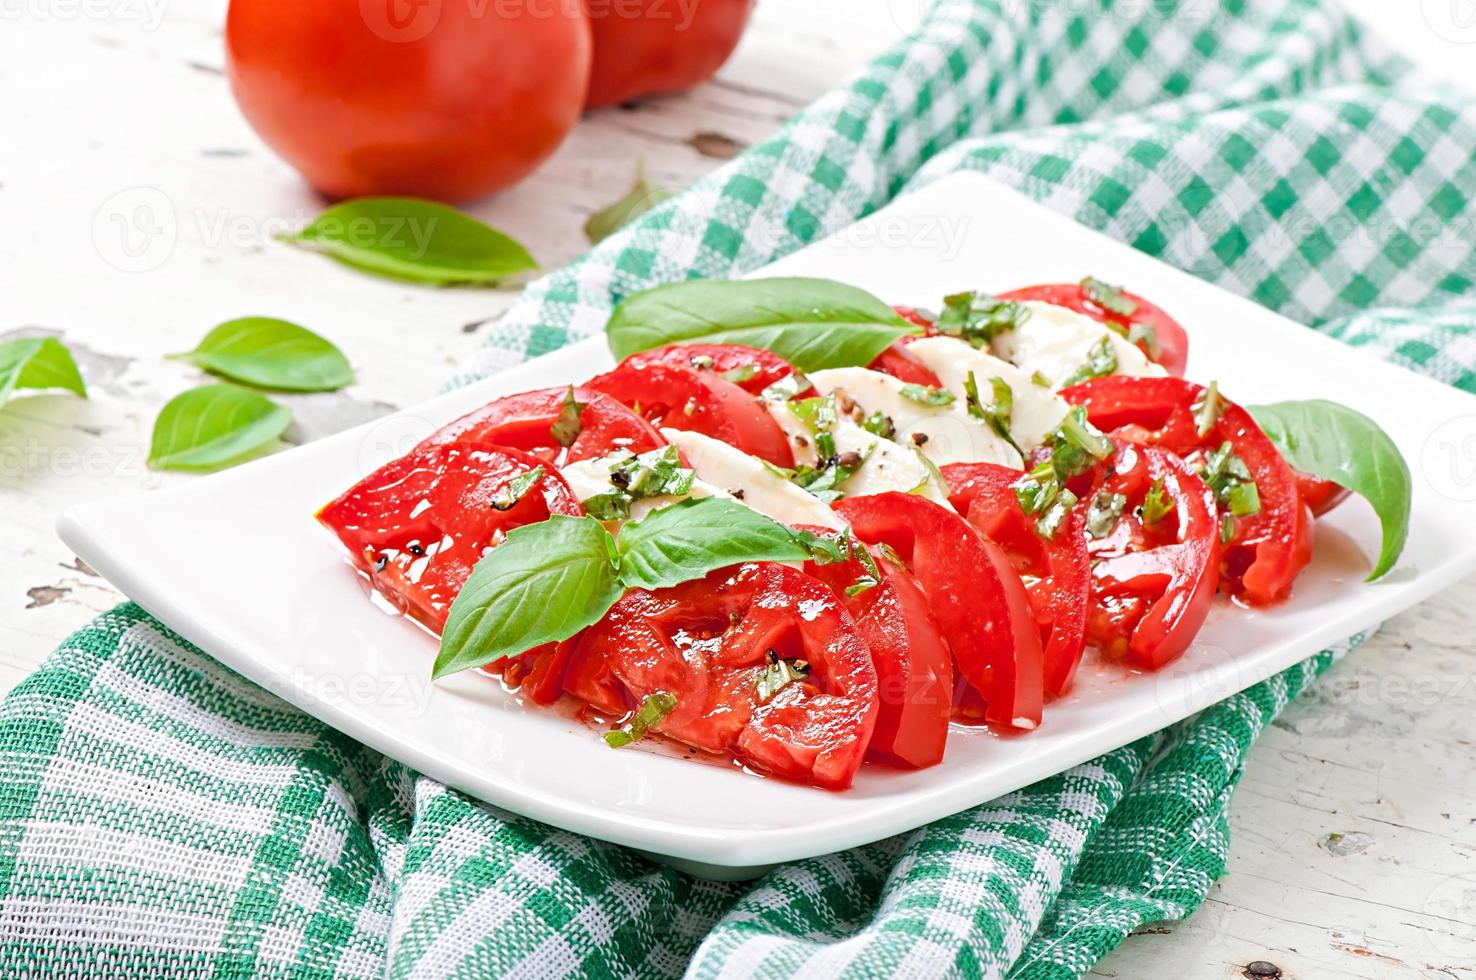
[591,477]
[887,466]
[1056,342]
[944,433]
[746,478]
[1036,409]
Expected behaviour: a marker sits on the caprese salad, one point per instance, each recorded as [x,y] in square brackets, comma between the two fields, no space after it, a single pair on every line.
[802,529]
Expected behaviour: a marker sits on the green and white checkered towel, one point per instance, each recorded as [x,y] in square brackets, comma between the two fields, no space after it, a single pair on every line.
[161,816]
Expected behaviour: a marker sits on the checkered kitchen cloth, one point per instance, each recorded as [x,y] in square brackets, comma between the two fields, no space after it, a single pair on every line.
[159,815]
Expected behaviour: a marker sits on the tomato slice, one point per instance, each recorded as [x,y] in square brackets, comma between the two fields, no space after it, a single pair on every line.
[975,594]
[1169,343]
[708,642]
[750,368]
[1153,581]
[1320,496]
[699,401]
[913,666]
[417,526]
[1056,572]
[525,421]
[901,363]
[1267,550]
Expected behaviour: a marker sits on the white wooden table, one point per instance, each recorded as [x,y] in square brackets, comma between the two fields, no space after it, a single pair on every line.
[137,209]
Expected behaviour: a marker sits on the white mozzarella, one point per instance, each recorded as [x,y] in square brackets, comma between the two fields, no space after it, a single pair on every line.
[944,433]
[887,466]
[591,477]
[1036,409]
[731,470]
[1056,342]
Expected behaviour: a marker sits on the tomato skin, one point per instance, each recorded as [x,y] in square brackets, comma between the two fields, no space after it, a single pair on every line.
[524,421]
[698,401]
[385,515]
[1152,585]
[977,598]
[1268,549]
[724,357]
[904,365]
[913,666]
[663,47]
[1172,342]
[1320,496]
[1061,586]
[452,103]
[707,641]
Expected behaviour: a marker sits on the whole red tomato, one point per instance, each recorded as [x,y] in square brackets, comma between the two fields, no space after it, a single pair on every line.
[449,99]
[648,47]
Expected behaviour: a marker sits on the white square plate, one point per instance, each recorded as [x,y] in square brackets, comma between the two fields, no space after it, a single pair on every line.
[236,563]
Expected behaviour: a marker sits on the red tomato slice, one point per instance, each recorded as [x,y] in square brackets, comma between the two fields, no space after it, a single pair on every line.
[751,368]
[901,363]
[1056,572]
[539,673]
[708,642]
[1320,496]
[525,421]
[698,401]
[1170,345]
[1153,583]
[418,525]
[1268,549]
[976,596]
[913,666]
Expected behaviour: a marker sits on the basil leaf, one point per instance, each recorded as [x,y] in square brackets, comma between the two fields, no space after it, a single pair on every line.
[420,241]
[652,712]
[812,323]
[1101,361]
[516,489]
[1109,298]
[1333,442]
[926,395]
[641,198]
[566,428]
[546,582]
[1208,406]
[777,675]
[213,426]
[38,363]
[271,353]
[689,539]
[1157,504]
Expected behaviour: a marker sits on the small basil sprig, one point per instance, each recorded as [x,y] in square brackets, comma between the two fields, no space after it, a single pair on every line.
[38,363]
[213,426]
[271,353]
[549,580]
[812,323]
[1333,442]
[418,241]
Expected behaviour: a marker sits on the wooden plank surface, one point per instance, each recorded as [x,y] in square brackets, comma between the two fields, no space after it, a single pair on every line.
[138,211]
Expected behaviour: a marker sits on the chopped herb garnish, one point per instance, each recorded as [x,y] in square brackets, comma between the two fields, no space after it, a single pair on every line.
[999,414]
[652,712]
[927,395]
[979,317]
[818,414]
[1040,380]
[658,473]
[824,481]
[613,505]
[1208,407]
[1227,529]
[1157,504]
[1048,523]
[879,424]
[566,427]
[1109,298]
[1104,512]
[1101,361]
[786,387]
[1037,489]
[1244,500]
[740,374]
[1143,335]
[1226,474]
[777,675]
[516,489]
[1076,444]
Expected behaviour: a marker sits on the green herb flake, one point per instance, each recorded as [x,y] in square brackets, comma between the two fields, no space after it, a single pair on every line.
[641,198]
[1077,445]
[610,506]
[1109,298]
[652,712]
[1104,512]
[978,317]
[778,674]
[741,373]
[786,387]
[1144,336]
[1208,406]
[999,414]
[1157,504]
[818,414]
[507,497]
[566,427]
[1050,521]
[1040,380]
[880,424]
[1244,500]
[927,395]
[1037,489]
[1227,529]
[1101,361]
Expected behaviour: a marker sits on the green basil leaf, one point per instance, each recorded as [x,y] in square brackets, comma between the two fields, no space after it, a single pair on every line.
[38,363]
[271,353]
[1333,442]
[420,241]
[641,198]
[812,323]
[689,539]
[544,583]
[213,426]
